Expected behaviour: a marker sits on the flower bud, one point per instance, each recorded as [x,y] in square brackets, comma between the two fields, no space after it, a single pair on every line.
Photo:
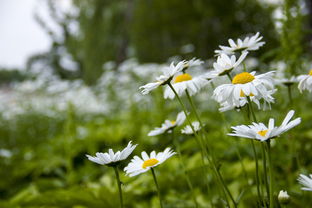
[283,197]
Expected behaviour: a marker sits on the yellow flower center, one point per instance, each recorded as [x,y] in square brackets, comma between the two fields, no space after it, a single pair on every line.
[149,163]
[243,78]
[182,78]
[242,94]
[172,122]
[262,132]
[310,72]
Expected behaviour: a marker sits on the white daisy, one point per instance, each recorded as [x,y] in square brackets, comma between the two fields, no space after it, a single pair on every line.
[194,62]
[138,165]
[261,132]
[305,82]
[225,106]
[306,182]
[245,84]
[225,64]
[283,197]
[167,126]
[163,79]
[248,44]
[112,158]
[184,81]
[188,130]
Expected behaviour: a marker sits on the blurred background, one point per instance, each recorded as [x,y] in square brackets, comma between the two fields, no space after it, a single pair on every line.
[69,77]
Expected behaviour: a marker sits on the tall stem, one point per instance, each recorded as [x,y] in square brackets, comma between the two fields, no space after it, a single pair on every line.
[271,173]
[213,160]
[254,151]
[265,170]
[119,186]
[289,94]
[199,141]
[157,187]
[188,180]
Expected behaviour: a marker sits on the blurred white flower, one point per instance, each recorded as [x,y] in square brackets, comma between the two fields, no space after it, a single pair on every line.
[225,64]
[283,197]
[245,84]
[5,153]
[194,62]
[188,130]
[138,165]
[163,79]
[305,82]
[168,125]
[248,44]
[306,182]
[261,132]
[112,158]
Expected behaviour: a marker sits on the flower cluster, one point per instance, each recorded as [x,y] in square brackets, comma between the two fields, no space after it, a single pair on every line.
[244,89]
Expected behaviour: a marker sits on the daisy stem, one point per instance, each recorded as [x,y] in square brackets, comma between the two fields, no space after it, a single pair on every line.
[183,107]
[198,139]
[213,162]
[271,173]
[255,151]
[257,169]
[189,183]
[265,170]
[119,186]
[289,94]
[157,187]
[229,76]
[194,109]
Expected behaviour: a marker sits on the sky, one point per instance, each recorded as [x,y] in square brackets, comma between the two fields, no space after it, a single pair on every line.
[20,35]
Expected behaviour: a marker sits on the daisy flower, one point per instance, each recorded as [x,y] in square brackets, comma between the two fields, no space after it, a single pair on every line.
[188,130]
[138,165]
[245,84]
[261,132]
[306,182]
[305,82]
[225,64]
[168,125]
[110,158]
[184,81]
[163,79]
[194,62]
[248,44]
[225,106]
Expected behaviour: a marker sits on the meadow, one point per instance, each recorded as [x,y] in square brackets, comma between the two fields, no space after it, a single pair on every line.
[49,126]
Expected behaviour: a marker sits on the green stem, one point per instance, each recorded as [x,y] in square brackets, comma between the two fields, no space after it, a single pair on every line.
[157,187]
[265,170]
[229,76]
[213,162]
[198,139]
[257,169]
[254,151]
[119,186]
[251,109]
[189,183]
[183,108]
[289,94]
[271,173]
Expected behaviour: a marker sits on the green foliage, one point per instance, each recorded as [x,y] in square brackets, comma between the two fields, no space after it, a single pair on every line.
[9,76]
[48,167]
